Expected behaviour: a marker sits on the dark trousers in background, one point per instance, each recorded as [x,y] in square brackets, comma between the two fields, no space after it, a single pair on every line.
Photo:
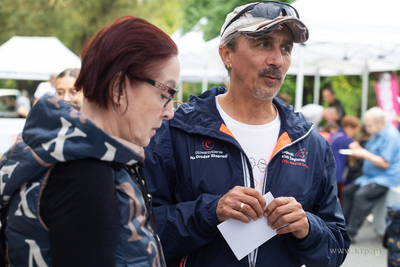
[358,203]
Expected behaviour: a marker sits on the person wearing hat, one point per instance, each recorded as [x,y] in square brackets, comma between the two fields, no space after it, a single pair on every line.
[225,149]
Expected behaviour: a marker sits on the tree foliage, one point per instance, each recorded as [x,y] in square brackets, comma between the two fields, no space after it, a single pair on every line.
[74,21]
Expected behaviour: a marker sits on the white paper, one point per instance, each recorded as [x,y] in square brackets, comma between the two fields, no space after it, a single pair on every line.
[345,151]
[242,237]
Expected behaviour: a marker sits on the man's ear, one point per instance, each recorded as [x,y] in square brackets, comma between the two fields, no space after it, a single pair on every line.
[225,54]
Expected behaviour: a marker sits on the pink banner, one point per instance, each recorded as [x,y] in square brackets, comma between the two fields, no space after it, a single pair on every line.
[387,93]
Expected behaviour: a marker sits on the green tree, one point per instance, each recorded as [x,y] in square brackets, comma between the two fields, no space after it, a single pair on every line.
[74,21]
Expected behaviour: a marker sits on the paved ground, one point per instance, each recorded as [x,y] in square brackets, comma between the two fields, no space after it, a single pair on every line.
[368,250]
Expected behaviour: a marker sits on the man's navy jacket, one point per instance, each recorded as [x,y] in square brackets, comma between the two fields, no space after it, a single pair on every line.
[194,159]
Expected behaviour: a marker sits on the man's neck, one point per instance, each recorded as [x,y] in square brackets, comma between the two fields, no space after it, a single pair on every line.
[247,109]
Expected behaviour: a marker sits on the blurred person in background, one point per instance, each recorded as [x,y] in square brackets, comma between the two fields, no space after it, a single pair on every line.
[74,182]
[65,86]
[329,97]
[316,113]
[341,139]
[23,104]
[45,88]
[381,169]
[355,164]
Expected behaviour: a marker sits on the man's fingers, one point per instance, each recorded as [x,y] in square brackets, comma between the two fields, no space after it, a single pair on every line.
[252,207]
[278,202]
[288,216]
[240,203]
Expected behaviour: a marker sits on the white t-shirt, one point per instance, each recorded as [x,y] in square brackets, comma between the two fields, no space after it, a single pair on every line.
[43,88]
[257,141]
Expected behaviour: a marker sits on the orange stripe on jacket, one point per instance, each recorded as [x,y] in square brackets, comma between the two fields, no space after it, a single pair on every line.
[283,140]
[225,130]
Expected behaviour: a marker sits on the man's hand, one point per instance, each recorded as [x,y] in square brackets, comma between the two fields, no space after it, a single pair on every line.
[229,205]
[287,211]
[357,150]
[360,152]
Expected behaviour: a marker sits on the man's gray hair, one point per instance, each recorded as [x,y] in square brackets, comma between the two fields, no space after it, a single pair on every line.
[231,42]
[377,114]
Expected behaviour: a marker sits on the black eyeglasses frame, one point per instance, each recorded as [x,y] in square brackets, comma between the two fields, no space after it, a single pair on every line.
[171,91]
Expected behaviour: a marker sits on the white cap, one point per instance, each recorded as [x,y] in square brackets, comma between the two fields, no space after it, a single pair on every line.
[252,21]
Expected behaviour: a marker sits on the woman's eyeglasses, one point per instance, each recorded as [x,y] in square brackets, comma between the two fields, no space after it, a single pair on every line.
[172,92]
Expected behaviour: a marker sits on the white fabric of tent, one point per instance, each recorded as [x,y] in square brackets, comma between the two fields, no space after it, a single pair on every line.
[346,37]
[35,58]
[199,60]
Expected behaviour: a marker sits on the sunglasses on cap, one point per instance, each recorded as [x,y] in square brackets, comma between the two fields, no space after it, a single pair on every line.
[266,9]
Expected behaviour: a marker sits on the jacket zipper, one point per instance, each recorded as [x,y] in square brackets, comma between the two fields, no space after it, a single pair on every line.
[183,261]
[253,255]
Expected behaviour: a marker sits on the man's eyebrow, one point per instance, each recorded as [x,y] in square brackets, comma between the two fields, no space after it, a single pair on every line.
[263,38]
[288,42]
[270,38]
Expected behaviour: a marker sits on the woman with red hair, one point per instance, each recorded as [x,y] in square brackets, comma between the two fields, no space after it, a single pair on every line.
[73,182]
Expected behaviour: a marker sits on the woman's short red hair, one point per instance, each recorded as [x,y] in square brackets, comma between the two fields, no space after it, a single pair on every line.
[130,47]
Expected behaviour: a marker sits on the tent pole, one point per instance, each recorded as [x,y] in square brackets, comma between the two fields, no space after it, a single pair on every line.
[180,91]
[317,82]
[205,81]
[364,100]
[300,79]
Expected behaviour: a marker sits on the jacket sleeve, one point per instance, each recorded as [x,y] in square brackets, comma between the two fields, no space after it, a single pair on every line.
[327,242]
[182,226]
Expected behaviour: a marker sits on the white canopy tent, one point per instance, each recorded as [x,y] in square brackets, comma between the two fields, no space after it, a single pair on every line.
[346,37]
[35,58]
[199,60]
[350,37]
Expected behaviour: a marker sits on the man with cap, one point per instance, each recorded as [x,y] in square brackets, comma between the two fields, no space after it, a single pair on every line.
[225,149]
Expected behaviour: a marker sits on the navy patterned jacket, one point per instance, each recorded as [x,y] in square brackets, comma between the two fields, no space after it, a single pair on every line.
[55,132]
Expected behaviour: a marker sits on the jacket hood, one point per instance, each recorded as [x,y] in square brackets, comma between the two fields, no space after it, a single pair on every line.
[55,132]
[200,115]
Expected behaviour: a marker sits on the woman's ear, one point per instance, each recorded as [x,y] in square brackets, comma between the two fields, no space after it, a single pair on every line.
[117,95]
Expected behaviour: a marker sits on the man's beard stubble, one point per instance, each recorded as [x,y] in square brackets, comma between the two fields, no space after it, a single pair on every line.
[269,93]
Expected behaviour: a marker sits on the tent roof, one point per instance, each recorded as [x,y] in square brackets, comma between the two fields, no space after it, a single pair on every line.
[348,37]
[35,58]
[199,60]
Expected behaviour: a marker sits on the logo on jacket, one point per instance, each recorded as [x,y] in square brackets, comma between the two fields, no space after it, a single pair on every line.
[301,153]
[298,159]
[208,144]
[208,152]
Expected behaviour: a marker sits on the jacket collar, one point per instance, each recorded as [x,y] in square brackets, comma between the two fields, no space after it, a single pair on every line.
[200,115]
